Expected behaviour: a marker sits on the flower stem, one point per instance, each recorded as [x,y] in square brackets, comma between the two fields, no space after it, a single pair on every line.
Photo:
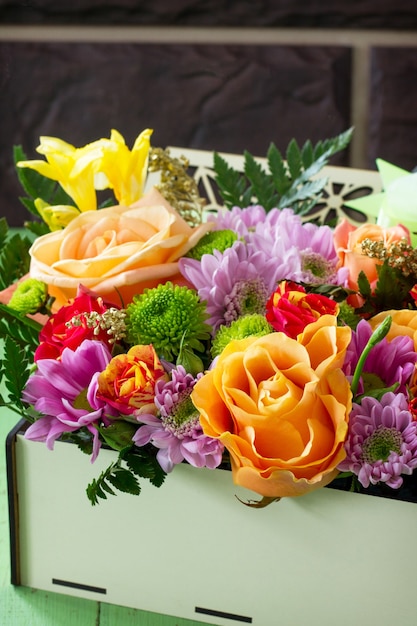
[377,336]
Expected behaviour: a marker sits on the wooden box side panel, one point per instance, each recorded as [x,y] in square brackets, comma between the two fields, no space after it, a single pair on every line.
[192,550]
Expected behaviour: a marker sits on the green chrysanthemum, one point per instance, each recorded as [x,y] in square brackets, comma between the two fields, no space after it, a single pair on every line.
[215,240]
[249,325]
[29,297]
[168,317]
[347,315]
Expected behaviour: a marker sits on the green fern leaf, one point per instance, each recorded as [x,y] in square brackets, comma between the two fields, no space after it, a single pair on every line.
[16,370]
[14,257]
[24,330]
[125,481]
[143,463]
[232,185]
[262,184]
[294,161]
[329,147]
[307,154]
[278,170]
[121,479]
[307,190]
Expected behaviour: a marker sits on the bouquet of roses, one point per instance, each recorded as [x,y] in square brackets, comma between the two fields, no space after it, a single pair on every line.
[249,338]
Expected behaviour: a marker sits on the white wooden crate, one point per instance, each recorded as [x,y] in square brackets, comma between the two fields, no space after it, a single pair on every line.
[190,549]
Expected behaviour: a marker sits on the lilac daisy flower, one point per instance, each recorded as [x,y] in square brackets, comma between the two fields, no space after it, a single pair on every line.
[241,221]
[382,441]
[64,391]
[283,235]
[388,363]
[177,431]
[233,283]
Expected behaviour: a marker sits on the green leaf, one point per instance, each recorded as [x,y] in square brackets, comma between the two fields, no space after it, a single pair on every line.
[262,184]
[34,184]
[307,154]
[286,184]
[309,190]
[232,184]
[125,481]
[391,291]
[143,462]
[14,255]
[16,370]
[329,147]
[294,161]
[4,231]
[38,186]
[37,228]
[278,170]
[22,329]
[118,434]
[120,478]
[364,285]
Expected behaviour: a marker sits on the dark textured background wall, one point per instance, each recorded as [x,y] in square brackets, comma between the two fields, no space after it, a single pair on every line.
[209,74]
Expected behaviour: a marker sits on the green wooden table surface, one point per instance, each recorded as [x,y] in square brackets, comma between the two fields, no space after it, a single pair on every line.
[22,606]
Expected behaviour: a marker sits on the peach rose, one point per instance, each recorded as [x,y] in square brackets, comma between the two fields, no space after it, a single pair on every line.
[280,406]
[116,252]
[348,239]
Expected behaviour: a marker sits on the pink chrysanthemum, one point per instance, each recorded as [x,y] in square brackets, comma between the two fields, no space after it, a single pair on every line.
[241,221]
[278,244]
[382,441]
[64,391]
[283,236]
[388,363]
[177,431]
[233,283]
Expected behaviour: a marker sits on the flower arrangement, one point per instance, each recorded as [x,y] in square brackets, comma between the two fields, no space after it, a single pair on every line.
[250,338]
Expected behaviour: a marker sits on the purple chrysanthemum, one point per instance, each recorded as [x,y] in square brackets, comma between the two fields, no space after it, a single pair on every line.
[177,431]
[388,363]
[274,246]
[241,221]
[283,236]
[233,283]
[382,441]
[64,391]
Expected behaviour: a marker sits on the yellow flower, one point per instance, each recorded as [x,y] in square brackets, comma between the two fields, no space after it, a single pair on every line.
[125,170]
[73,168]
[102,164]
[56,217]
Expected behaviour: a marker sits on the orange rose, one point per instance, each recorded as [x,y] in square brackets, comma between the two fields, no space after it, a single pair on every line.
[404,322]
[280,406]
[128,382]
[116,252]
[348,239]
